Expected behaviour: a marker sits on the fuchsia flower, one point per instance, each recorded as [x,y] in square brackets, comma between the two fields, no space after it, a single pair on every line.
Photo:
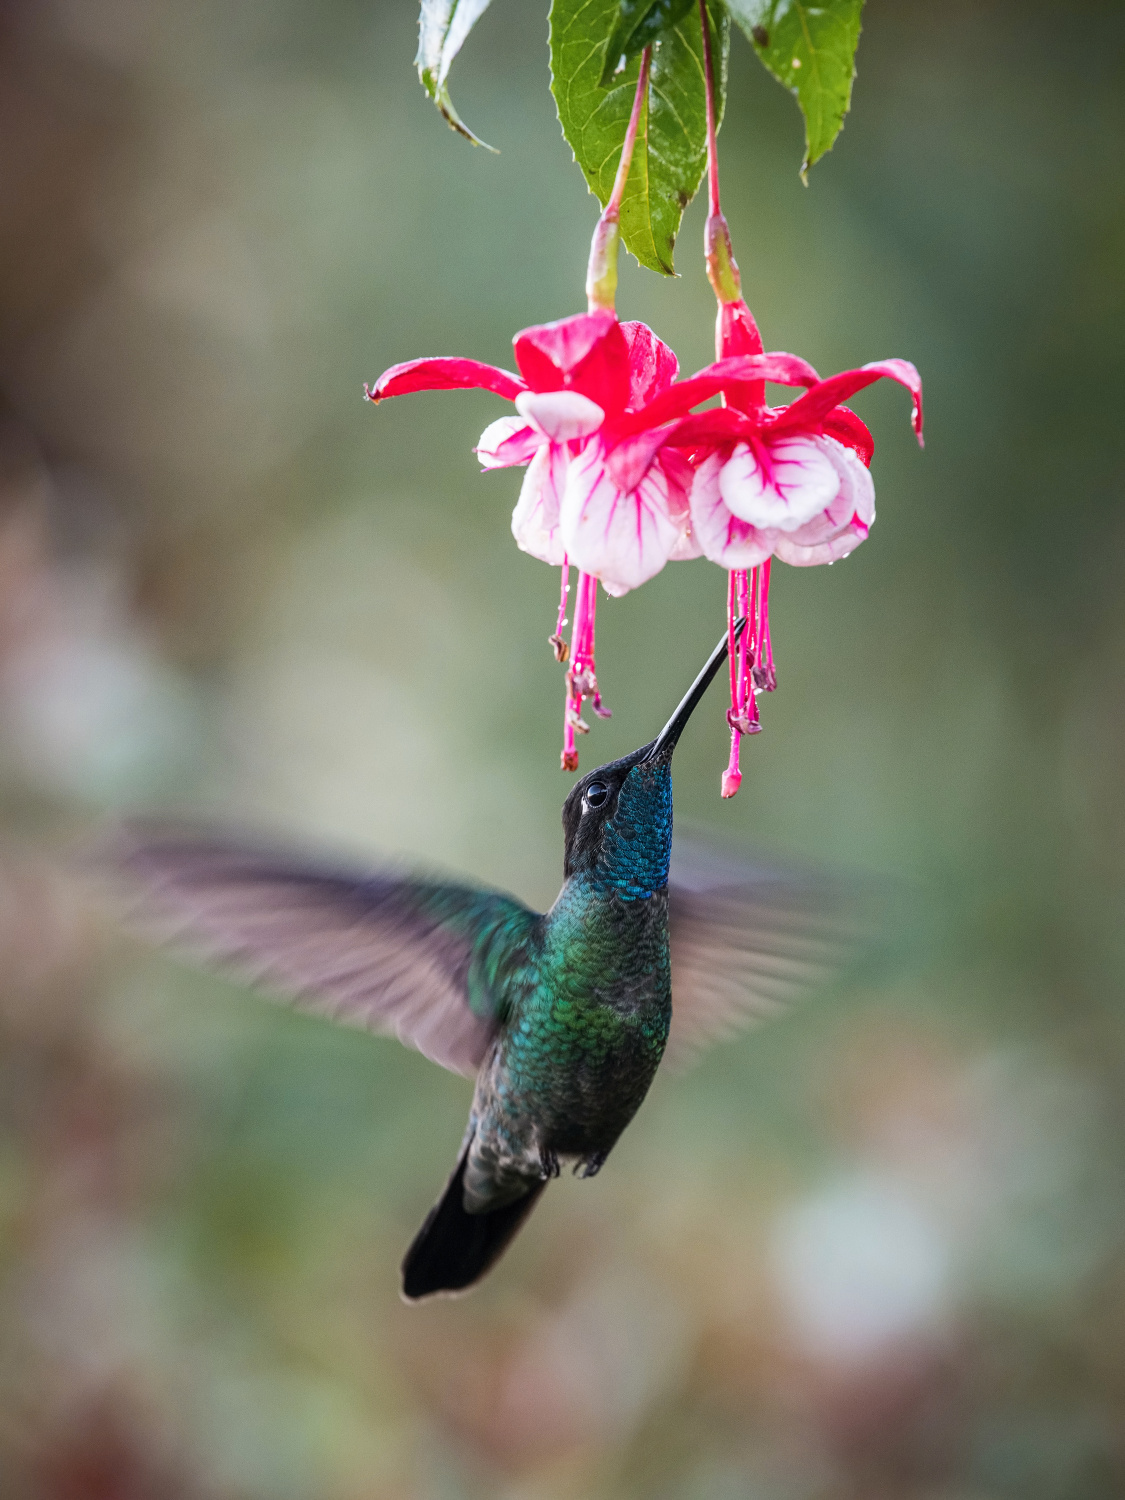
[578,378]
[597,402]
[790,482]
[621,479]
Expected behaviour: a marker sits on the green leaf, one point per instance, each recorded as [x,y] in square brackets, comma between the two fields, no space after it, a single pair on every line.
[810,48]
[671,151]
[443,26]
[639,23]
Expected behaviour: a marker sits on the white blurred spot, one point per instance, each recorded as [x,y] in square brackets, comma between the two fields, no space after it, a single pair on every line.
[87,707]
[861,1264]
[93,718]
[610,1352]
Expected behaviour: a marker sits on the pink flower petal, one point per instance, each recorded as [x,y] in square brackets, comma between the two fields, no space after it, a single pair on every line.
[444,375]
[561,415]
[535,520]
[623,538]
[779,484]
[721,535]
[652,365]
[508,441]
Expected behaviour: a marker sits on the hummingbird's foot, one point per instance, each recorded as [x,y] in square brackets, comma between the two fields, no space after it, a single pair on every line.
[591,1165]
[548,1164]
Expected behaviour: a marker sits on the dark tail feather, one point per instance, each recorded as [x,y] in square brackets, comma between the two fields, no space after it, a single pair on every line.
[453,1249]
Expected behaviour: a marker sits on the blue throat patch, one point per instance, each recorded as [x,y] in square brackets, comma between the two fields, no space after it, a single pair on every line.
[638,842]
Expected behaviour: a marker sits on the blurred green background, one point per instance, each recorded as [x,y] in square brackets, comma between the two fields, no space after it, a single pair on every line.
[877,1250]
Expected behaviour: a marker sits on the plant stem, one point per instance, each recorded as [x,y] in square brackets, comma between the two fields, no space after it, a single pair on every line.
[601,276]
[712,131]
[722,268]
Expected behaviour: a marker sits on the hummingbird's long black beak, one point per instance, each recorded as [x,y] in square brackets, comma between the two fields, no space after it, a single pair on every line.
[665,741]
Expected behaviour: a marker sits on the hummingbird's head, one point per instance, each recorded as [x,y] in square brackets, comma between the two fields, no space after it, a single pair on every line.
[617,820]
[618,824]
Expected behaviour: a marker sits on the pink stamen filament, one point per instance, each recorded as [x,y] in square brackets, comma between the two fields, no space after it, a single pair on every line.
[581,677]
[765,676]
[562,650]
[746,598]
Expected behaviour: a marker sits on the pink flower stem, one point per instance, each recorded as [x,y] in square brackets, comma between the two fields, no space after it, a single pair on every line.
[722,268]
[562,650]
[581,677]
[613,207]
[712,129]
[601,275]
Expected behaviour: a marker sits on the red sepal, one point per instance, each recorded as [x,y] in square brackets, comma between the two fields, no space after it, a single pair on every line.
[652,365]
[737,333]
[810,410]
[713,428]
[678,399]
[843,425]
[444,374]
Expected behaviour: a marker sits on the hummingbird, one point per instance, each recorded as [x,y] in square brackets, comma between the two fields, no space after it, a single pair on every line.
[563,1017]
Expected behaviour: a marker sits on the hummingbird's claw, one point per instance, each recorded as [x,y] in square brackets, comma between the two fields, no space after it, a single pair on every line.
[548,1163]
[591,1165]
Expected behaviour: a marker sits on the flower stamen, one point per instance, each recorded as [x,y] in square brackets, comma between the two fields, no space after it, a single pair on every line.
[581,677]
[561,649]
[765,675]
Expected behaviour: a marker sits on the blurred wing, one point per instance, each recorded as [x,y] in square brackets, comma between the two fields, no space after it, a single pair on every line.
[748,941]
[414,959]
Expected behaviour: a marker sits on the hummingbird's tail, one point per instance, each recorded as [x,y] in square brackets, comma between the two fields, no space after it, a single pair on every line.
[453,1249]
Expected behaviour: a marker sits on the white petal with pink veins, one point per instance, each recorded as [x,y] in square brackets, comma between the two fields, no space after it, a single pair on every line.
[562,415]
[535,520]
[781,484]
[841,527]
[686,548]
[721,535]
[508,441]
[623,538]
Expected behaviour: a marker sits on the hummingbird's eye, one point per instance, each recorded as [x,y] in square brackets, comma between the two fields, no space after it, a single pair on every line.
[596,793]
